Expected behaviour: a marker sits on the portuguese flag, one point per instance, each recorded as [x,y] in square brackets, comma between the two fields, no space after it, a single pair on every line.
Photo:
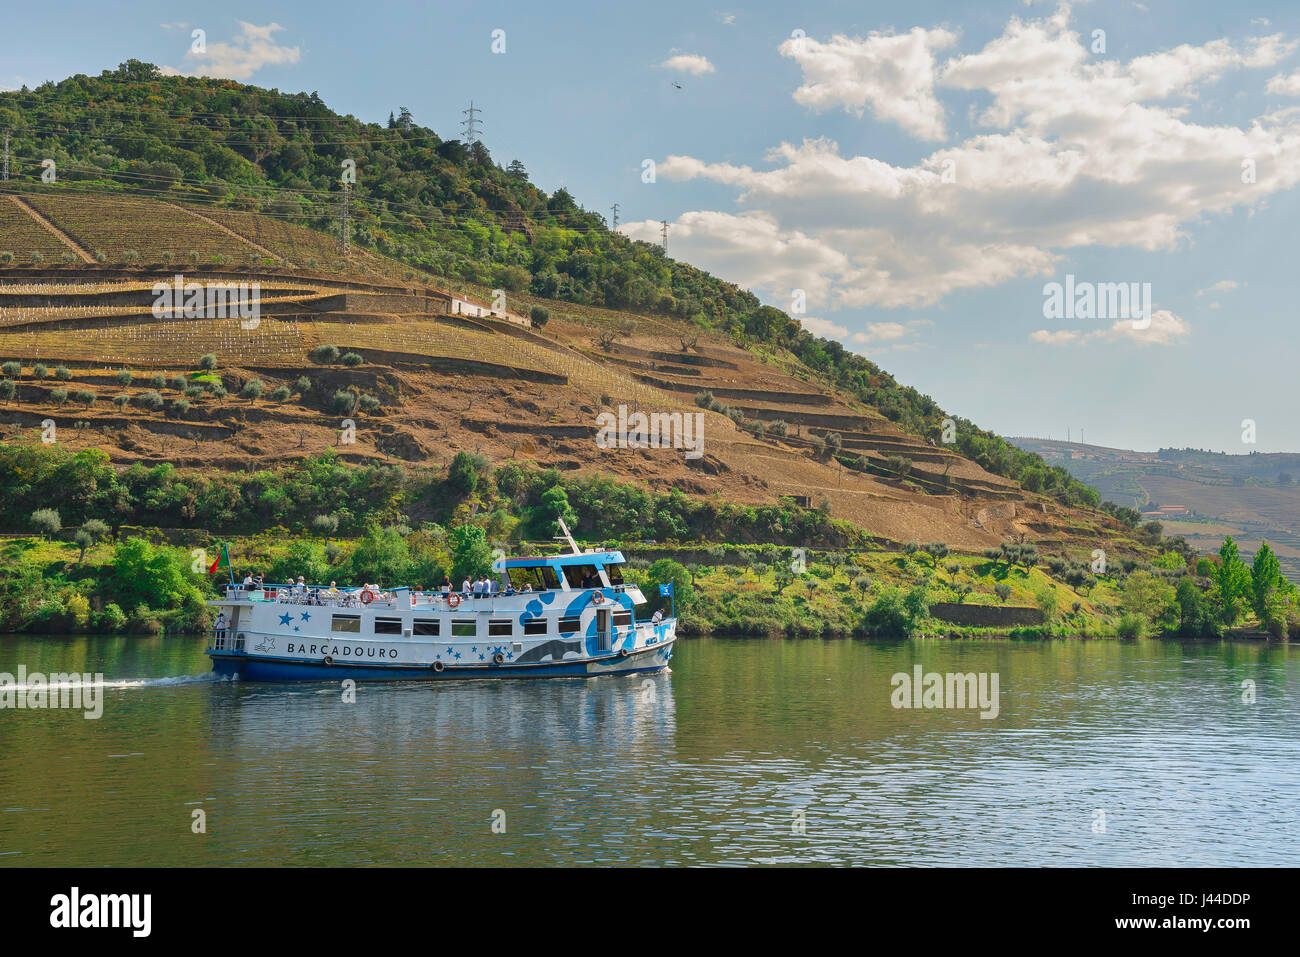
[222,559]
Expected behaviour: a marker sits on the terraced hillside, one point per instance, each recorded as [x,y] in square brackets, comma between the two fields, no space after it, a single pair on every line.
[423,384]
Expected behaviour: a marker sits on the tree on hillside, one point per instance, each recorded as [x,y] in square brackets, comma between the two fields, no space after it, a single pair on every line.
[1147,595]
[1197,617]
[1233,579]
[471,555]
[936,551]
[462,474]
[47,522]
[1271,595]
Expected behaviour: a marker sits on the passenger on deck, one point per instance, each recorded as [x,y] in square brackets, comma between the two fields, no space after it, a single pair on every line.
[219,627]
[466,589]
[257,580]
[334,590]
[528,586]
[445,587]
[248,580]
[657,617]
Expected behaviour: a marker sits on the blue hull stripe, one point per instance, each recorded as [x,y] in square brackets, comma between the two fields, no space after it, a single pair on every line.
[652,658]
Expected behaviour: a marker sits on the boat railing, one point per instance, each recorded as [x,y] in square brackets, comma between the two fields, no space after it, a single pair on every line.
[351,598]
[224,639]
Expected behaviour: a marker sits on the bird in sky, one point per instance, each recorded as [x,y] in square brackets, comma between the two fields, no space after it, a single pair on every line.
[676,84]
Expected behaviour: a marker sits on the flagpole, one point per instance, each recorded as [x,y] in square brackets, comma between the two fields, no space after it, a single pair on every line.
[230,569]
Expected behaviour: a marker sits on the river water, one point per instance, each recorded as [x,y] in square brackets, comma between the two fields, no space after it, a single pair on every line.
[748,752]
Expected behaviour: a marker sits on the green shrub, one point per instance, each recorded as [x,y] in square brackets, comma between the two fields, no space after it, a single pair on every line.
[1132,625]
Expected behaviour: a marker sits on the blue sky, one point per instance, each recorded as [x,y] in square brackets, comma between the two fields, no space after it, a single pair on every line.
[819,164]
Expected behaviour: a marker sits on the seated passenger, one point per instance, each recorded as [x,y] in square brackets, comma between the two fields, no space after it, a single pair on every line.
[657,617]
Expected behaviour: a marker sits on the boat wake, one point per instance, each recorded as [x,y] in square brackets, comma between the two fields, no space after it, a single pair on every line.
[109,684]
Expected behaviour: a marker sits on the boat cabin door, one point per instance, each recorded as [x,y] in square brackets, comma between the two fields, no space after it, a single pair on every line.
[602,628]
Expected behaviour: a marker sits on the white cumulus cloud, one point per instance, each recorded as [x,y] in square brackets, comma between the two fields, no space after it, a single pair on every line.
[892,75]
[1073,152]
[252,48]
[692,63]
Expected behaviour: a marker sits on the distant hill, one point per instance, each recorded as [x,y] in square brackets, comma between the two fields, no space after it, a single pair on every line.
[1198,494]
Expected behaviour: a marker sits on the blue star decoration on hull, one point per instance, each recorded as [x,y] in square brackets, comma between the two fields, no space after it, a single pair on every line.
[306,616]
[286,618]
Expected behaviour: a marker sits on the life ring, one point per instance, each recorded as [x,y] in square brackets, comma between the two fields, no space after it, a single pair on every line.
[498,659]
[366,596]
[327,660]
[598,599]
[437,666]
[453,600]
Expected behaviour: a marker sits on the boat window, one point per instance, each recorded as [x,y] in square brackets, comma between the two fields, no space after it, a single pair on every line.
[346,623]
[425,626]
[569,625]
[535,626]
[615,573]
[541,577]
[581,576]
[388,626]
[464,628]
[501,628]
[622,618]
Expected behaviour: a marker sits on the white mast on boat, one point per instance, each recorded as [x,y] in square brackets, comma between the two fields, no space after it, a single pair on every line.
[567,537]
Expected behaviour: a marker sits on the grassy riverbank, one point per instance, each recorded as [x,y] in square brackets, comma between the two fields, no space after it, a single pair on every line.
[138,586]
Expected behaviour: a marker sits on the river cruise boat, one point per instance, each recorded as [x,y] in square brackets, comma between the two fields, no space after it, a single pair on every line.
[569,615]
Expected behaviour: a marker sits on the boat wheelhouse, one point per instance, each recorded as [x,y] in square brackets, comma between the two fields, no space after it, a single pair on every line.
[547,616]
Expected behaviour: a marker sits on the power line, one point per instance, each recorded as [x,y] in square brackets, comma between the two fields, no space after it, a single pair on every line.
[345,233]
[471,125]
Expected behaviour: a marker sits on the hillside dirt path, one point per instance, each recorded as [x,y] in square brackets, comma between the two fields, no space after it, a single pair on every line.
[59,234]
[228,231]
